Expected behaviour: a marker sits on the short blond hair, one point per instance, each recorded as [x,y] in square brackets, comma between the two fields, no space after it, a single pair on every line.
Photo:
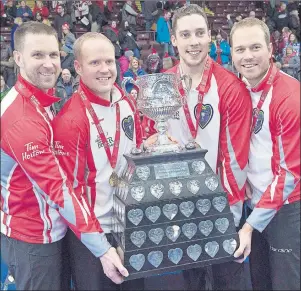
[250,22]
[77,47]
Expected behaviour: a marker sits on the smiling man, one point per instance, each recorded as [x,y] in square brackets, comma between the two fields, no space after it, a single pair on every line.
[273,225]
[93,131]
[37,201]
[217,116]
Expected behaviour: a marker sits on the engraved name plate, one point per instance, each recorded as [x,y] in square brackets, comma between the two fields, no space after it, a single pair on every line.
[171,170]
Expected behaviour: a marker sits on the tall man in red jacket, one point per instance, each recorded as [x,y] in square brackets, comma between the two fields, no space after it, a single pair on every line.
[274,162]
[38,202]
[217,116]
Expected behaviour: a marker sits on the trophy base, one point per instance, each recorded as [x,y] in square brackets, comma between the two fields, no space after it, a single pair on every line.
[165,148]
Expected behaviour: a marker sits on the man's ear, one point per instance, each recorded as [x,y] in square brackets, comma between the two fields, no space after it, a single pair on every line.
[77,67]
[270,48]
[209,34]
[173,40]
[18,58]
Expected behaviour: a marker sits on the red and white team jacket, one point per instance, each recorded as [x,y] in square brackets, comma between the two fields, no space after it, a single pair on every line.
[224,130]
[37,200]
[274,161]
[81,152]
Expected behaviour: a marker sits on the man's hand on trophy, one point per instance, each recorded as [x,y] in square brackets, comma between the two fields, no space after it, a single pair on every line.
[112,266]
[153,139]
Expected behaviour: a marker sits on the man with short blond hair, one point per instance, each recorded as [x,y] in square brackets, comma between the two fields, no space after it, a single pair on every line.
[95,127]
[273,226]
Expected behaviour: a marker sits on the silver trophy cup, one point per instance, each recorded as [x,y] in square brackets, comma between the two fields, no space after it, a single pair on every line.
[159,99]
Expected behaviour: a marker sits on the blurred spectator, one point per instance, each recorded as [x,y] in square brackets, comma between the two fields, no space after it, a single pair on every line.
[18,21]
[294,22]
[153,63]
[167,63]
[24,12]
[285,35]
[97,17]
[7,63]
[112,34]
[65,87]
[157,14]
[281,17]
[124,61]
[68,39]
[43,10]
[129,14]
[4,89]
[81,12]
[149,8]
[293,42]
[60,19]
[230,21]
[291,63]
[11,10]
[276,41]
[67,59]
[220,51]
[38,17]
[134,71]
[270,23]
[164,33]
[252,14]
[127,40]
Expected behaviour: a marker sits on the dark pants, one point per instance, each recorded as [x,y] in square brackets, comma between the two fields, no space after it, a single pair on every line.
[34,266]
[87,272]
[275,254]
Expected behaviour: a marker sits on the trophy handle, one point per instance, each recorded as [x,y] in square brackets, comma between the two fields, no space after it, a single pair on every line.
[188,84]
[125,81]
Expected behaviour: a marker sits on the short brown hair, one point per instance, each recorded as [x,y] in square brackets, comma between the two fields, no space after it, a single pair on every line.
[185,11]
[31,27]
[250,22]
[80,41]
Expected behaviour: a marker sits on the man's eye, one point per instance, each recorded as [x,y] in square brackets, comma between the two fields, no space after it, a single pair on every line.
[37,55]
[185,34]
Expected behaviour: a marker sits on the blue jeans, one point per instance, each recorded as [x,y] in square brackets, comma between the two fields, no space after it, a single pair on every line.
[168,48]
[148,24]
[136,53]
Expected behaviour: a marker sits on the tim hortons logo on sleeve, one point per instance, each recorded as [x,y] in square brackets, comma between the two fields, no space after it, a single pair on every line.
[59,149]
[31,151]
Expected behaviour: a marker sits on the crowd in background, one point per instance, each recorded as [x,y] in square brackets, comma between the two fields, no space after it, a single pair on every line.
[282,20]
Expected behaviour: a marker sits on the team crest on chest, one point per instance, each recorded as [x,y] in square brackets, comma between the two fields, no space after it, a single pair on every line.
[259,121]
[128,127]
[206,115]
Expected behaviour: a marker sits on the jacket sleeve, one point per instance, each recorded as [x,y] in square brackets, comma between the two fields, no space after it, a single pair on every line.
[213,51]
[160,23]
[226,49]
[236,117]
[130,10]
[32,150]
[295,64]
[285,162]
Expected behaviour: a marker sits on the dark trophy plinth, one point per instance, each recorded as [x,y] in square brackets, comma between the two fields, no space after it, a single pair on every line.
[170,213]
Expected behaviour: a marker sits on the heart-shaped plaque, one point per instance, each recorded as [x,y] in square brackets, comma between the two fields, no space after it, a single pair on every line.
[135,216]
[153,213]
[194,251]
[198,167]
[137,261]
[189,229]
[175,255]
[211,183]
[206,227]
[187,208]
[143,172]
[155,258]
[219,203]
[157,190]
[138,193]
[173,232]
[156,235]
[211,248]
[230,245]
[203,205]
[175,187]
[170,210]
[138,238]
[193,186]
[222,224]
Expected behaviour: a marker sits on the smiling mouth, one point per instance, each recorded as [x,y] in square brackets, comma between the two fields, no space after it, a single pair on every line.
[47,74]
[249,66]
[194,52]
[103,78]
